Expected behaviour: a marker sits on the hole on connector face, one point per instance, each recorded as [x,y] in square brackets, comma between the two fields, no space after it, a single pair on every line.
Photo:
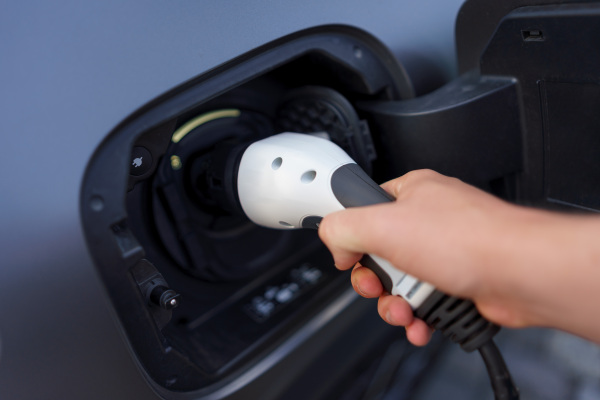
[308,176]
[283,223]
[276,163]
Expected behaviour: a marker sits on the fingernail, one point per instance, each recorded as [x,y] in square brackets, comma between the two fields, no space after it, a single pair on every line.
[388,318]
[357,287]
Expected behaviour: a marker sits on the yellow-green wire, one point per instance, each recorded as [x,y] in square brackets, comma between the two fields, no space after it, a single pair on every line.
[202,119]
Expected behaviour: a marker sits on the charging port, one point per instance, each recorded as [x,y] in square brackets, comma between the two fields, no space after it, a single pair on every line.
[163,182]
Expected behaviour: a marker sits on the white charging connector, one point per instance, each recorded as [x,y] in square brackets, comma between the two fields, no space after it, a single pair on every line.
[292,180]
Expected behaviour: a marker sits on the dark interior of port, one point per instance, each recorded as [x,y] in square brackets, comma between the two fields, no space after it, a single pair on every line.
[241,285]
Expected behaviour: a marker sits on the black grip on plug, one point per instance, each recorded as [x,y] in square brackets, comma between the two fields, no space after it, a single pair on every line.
[352,187]
[458,319]
[383,276]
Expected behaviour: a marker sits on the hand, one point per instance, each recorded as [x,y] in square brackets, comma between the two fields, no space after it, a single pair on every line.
[510,260]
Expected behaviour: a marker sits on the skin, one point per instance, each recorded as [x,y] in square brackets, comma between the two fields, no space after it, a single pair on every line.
[520,266]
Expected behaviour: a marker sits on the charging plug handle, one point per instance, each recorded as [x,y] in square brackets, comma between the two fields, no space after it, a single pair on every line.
[457,319]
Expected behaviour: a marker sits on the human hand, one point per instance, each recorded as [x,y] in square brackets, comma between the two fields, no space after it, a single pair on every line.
[431,213]
[462,240]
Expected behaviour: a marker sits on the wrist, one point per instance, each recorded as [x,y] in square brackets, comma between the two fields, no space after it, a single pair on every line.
[547,272]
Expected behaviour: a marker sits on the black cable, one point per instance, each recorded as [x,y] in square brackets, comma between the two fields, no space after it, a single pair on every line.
[459,320]
[502,383]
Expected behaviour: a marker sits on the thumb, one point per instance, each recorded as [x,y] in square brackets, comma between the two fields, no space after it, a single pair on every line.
[352,232]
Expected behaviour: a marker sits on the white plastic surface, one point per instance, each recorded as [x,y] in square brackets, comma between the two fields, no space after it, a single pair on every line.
[407,286]
[286,177]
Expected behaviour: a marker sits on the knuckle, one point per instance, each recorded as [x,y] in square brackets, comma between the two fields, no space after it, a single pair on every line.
[424,174]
